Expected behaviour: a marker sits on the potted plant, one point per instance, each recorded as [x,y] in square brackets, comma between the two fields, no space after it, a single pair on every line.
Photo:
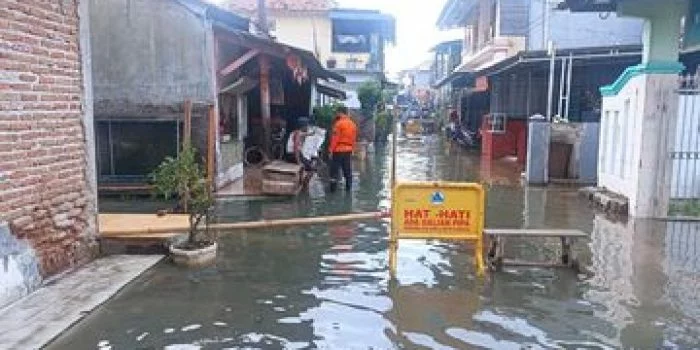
[183,178]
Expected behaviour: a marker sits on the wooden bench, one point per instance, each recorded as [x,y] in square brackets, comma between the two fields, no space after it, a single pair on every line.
[497,237]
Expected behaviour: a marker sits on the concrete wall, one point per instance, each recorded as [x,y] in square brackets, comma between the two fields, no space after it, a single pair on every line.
[620,139]
[148,57]
[313,32]
[514,17]
[581,29]
[583,164]
[19,267]
[307,31]
[47,165]
[537,166]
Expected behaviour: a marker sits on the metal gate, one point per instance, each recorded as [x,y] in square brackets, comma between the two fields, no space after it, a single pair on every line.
[685,152]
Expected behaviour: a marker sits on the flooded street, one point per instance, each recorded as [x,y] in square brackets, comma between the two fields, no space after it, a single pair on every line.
[328,286]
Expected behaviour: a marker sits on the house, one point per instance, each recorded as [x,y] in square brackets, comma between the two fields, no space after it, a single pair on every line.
[167,70]
[48,196]
[447,57]
[526,57]
[349,42]
[417,81]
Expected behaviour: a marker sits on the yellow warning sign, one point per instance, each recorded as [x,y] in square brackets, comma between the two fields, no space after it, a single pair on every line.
[439,210]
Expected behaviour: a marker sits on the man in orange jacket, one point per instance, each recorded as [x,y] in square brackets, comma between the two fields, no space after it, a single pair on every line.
[341,147]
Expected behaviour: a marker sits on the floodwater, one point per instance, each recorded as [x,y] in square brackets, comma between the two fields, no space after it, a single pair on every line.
[328,286]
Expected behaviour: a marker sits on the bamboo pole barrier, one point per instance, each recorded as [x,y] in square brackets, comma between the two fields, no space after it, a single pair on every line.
[257,224]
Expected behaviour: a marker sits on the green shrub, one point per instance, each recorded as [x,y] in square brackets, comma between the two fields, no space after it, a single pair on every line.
[370,94]
[323,117]
[184,179]
[383,125]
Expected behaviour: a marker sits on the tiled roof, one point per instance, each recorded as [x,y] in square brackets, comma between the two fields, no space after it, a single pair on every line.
[249,6]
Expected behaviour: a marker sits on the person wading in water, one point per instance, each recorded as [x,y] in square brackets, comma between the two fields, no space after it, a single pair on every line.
[342,144]
[295,144]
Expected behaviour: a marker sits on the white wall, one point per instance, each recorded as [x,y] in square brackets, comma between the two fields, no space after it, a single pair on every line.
[305,31]
[620,139]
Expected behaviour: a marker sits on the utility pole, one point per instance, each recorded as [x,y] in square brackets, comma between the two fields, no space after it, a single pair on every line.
[262,18]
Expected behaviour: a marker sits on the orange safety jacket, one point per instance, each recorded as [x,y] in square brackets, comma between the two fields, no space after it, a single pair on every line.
[344,135]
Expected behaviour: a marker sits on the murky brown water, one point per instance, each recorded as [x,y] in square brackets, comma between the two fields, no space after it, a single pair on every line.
[329,287]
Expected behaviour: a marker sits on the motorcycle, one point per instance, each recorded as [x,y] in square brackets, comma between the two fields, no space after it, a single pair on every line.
[464,137]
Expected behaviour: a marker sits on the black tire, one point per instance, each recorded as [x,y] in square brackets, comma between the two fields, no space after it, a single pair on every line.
[253,156]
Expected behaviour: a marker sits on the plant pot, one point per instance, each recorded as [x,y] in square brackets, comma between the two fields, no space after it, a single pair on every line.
[194,257]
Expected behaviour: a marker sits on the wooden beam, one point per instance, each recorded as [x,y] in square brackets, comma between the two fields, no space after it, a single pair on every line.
[187,129]
[143,224]
[211,146]
[239,62]
[265,101]
[544,233]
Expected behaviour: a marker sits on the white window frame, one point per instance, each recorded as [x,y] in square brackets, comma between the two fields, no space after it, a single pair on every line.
[492,123]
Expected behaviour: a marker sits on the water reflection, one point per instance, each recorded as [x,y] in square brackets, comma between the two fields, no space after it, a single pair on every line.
[329,286]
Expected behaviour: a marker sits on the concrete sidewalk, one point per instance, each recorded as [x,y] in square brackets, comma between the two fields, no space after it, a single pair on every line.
[34,321]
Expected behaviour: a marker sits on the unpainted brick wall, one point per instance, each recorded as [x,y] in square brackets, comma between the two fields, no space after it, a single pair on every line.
[44,191]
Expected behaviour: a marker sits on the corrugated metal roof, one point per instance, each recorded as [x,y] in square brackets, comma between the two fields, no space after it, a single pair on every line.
[249,6]
[455,13]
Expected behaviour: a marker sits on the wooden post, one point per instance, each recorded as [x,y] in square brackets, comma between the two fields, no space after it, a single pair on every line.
[187,129]
[211,146]
[264,62]
[393,148]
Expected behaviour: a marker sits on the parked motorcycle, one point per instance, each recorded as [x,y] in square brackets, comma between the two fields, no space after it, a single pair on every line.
[464,137]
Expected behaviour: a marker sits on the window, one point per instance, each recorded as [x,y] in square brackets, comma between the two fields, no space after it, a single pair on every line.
[133,149]
[353,63]
[497,123]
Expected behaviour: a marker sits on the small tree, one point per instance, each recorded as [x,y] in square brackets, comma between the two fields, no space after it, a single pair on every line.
[369,94]
[184,179]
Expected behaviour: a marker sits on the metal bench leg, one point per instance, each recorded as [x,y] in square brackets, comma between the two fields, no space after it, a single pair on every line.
[495,255]
[565,251]
[393,252]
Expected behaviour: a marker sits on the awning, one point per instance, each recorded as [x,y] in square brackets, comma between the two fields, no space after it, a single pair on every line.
[240,86]
[457,79]
[604,54]
[455,13]
[446,45]
[331,91]
[273,48]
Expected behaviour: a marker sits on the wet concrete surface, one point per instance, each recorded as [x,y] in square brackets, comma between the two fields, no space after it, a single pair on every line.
[329,287]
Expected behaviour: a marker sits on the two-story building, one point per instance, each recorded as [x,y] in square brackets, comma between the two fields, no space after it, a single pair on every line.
[447,57]
[526,57]
[349,42]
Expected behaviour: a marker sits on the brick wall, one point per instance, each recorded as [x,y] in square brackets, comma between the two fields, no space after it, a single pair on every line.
[45,191]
